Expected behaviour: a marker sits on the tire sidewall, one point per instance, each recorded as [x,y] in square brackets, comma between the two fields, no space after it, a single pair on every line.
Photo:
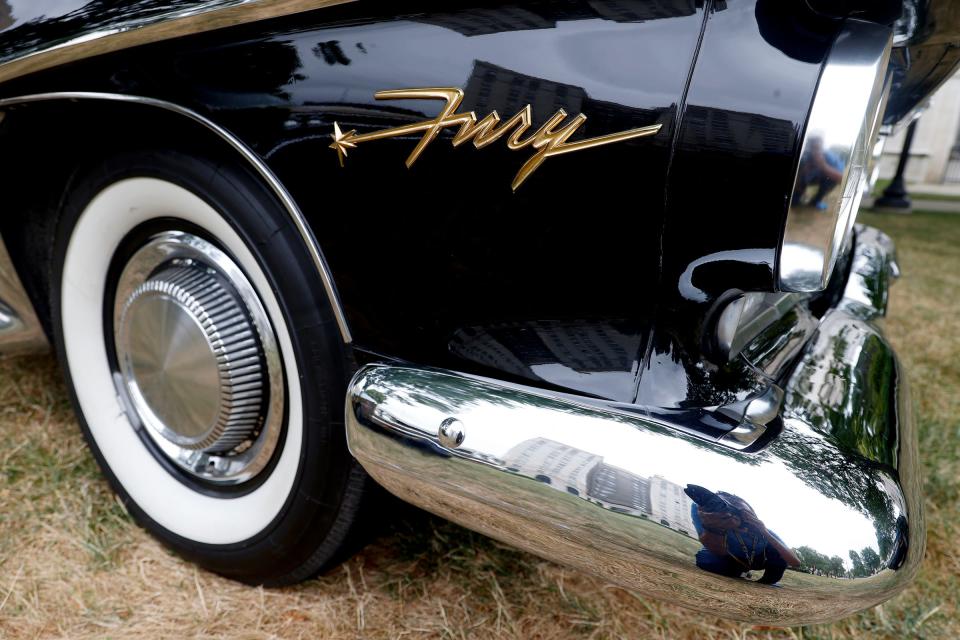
[324,469]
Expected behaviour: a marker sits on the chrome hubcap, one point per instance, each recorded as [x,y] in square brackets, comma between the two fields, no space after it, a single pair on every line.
[198,364]
[194,358]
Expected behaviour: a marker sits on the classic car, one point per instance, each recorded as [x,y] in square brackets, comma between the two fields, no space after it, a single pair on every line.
[581,275]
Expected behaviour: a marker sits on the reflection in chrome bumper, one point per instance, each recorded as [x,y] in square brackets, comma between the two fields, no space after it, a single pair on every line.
[603,491]
[20,330]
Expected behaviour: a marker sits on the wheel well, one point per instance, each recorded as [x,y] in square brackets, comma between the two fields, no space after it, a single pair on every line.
[46,143]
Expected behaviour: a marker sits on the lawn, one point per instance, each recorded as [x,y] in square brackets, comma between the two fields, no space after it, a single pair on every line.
[884,183]
[72,564]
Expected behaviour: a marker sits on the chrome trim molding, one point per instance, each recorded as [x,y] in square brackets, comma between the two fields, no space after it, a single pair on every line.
[306,234]
[124,34]
[20,329]
[833,166]
[603,491]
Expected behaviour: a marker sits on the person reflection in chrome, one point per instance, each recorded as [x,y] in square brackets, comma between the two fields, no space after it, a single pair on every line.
[819,167]
[734,539]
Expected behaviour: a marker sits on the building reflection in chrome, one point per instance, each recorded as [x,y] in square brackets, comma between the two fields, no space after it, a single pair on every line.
[584,474]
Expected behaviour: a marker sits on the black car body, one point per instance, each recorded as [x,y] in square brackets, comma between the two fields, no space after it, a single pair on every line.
[642,274]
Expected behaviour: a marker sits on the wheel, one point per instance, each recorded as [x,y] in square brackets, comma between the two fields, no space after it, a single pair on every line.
[205,364]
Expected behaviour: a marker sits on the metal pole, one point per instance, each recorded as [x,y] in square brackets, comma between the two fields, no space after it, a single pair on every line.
[895,196]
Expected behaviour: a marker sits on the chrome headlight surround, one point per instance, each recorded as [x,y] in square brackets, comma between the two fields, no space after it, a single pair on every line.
[840,131]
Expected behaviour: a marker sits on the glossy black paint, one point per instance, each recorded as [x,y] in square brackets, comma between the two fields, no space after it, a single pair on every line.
[422,256]
[730,177]
[473,253]
[599,273]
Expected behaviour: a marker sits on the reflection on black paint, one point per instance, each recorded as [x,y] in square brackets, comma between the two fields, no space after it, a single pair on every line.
[675,378]
[598,358]
[332,53]
[545,15]
[266,68]
[793,29]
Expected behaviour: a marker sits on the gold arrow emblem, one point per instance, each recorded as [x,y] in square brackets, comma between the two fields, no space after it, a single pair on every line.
[548,140]
[341,141]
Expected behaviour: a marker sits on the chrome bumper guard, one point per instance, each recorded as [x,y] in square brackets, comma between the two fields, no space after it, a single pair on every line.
[603,491]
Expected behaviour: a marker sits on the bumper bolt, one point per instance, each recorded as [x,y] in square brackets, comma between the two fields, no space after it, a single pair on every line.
[451,433]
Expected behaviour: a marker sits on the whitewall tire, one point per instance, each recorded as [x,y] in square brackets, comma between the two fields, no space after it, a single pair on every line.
[266,524]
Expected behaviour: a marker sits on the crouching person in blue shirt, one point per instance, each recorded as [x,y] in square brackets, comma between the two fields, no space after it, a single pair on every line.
[734,539]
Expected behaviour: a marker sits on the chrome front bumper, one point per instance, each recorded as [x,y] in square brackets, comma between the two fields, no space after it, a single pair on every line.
[20,330]
[602,490]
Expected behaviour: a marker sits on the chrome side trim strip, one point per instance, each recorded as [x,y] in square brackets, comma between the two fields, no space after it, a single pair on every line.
[20,330]
[610,493]
[202,17]
[259,165]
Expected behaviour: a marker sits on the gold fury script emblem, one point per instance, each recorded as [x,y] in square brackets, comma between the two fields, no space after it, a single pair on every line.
[548,139]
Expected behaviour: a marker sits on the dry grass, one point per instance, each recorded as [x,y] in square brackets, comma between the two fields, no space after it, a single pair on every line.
[73,565]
